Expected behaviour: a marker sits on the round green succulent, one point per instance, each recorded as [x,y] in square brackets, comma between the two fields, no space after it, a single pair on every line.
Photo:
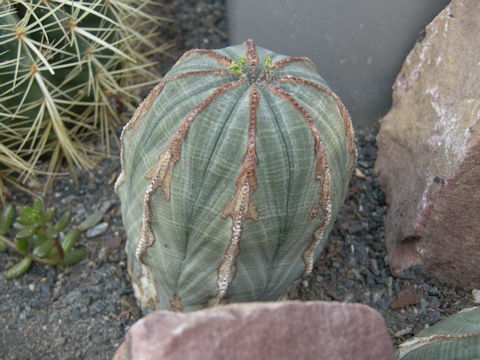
[233,170]
[455,338]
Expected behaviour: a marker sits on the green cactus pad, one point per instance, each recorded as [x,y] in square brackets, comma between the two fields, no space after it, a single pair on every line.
[233,170]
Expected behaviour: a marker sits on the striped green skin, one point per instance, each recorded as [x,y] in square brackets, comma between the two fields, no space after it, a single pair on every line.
[231,181]
[454,338]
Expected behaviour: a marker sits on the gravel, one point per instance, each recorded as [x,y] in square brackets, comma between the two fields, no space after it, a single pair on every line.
[84,311]
[79,312]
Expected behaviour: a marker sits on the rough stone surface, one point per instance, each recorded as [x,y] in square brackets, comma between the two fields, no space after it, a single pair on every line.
[288,330]
[429,152]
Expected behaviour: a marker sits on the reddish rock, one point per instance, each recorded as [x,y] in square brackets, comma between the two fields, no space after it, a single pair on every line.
[283,330]
[429,152]
[408,296]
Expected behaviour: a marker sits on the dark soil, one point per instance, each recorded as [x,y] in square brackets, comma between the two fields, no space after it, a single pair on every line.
[84,311]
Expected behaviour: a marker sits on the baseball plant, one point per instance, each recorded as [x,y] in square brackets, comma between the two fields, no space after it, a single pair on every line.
[456,337]
[233,170]
[68,69]
[37,237]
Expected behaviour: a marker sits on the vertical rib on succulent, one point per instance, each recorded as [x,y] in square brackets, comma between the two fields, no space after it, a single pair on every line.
[322,175]
[241,207]
[221,59]
[252,58]
[347,123]
[161,175]
[290,60]
[144,108]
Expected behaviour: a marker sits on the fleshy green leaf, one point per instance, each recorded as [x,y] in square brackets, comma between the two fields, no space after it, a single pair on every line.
[43,250]
[70,239]
[18,269]
[63,222]
[73,257]
[6,218]
[22,245]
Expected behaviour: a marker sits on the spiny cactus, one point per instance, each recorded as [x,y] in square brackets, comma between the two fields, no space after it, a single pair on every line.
[66,70]
[233,170]
[455,338]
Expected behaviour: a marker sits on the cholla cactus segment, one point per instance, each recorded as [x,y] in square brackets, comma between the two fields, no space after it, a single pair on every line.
[233,170]
[66,70]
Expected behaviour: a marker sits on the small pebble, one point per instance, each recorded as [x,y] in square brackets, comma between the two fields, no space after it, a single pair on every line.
[433,291]
[434,302]
[374,267]
[377,295]
[359,174]
[355,228]
[476,296]
[72,297]
[423,305]
[107,205]
[59,341]
[97,230]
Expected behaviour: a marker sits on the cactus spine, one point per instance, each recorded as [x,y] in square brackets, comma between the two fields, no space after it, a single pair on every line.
[66,70]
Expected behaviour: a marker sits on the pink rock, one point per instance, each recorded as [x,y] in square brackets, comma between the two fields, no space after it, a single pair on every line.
[429,152]
[283,330]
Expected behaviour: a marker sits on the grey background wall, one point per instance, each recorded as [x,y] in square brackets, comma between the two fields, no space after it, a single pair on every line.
[358,46]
